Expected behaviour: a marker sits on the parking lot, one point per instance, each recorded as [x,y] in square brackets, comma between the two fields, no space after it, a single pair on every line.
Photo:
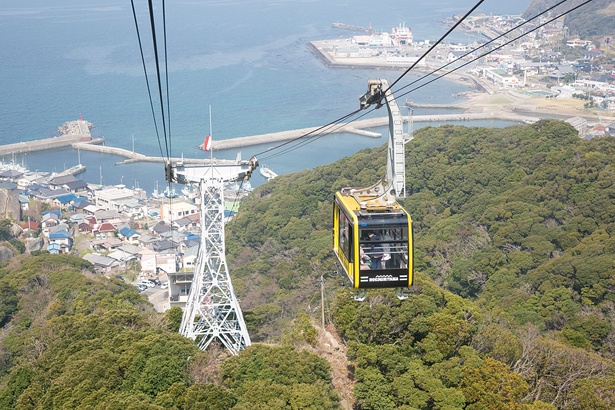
[157,296]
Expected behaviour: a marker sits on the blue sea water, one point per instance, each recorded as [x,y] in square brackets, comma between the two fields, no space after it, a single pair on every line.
[246,59]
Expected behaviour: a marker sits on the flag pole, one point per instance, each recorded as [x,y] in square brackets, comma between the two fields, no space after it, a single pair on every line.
[211,151]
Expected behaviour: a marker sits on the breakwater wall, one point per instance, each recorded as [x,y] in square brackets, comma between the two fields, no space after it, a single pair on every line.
[72,132]
[367,123]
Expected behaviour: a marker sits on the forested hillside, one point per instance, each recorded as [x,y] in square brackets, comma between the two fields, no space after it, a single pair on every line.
[594,19]
[71,339]
[518,222]
[512,306]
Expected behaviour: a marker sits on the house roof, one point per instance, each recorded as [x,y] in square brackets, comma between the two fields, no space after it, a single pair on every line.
[61,234]
[77,217]
[99,260]
[185,221]
[61,180]
[31,225]
[120,255]
[193,251]
[82,204]
[103,215]
[10,173]
[59,227]
[105,227]
[130,248]
[161,227]
[65,199]
[75,185]
[127,232]
[162,245]
[147,238]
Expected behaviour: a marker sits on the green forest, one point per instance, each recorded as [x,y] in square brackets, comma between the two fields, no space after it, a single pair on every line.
[512,307]
[594,19]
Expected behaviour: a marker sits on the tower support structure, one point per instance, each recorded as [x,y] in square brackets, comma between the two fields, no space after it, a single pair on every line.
[212,310]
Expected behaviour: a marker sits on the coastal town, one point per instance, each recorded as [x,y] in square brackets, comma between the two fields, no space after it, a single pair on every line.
[543,72]
[152,241]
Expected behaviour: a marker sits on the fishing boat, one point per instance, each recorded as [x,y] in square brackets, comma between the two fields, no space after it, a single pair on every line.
[267,173]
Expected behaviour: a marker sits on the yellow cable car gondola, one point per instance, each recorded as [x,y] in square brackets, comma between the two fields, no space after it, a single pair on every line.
[373,237]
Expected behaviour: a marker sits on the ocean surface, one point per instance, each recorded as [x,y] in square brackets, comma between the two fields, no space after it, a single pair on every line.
[246,59]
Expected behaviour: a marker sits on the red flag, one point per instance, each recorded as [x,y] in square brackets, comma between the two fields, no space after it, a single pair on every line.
[207,143]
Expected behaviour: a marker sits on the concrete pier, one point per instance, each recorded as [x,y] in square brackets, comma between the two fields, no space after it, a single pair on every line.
[76,131]
[136,157]
[367,123]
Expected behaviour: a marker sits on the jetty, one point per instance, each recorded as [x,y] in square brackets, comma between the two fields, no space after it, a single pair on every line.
[70,132]
[366,123]
[132,156]
[367,30]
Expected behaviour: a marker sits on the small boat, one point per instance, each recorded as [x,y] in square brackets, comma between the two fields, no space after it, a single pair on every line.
[267,173]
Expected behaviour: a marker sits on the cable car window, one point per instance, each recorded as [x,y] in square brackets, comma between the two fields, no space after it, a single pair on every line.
[345,236]
[384,248]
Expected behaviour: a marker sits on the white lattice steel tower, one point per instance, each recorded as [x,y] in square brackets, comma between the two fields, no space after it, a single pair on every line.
[212,310]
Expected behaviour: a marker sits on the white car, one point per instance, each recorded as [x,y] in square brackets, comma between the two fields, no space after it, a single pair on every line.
[164,285]
[148,283]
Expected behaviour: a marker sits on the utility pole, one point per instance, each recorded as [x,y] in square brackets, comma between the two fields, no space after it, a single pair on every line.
[322,300]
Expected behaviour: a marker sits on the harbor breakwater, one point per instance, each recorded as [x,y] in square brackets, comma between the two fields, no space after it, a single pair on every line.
[359,127]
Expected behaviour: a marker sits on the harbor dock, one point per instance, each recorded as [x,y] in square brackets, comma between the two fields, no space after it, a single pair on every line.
[362,125]
[72,132]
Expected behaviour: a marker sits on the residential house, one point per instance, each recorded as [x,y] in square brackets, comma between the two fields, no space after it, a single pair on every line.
[30,227]
[61,238]
[111,198]
[59,182]
[152,263]
[102,263]
[176,210]
[24,202]
[10,175]
[63,201]
[129,235]
[103,230]
[189,258]
[106,244]
[49,220]
[146,240]
[160,228]
[78,186]
[164,245]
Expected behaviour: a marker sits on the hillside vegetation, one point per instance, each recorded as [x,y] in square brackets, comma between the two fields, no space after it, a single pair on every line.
[517,222]
[512,306]
[70,339]
[594,19]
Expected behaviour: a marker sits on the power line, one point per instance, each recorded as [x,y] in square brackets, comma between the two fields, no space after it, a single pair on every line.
[461,20]
[376,98]
[486,44]
[322,130]
[149,91]
[497,48]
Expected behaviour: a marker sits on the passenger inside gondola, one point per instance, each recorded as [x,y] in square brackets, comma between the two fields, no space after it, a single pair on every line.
[384,248]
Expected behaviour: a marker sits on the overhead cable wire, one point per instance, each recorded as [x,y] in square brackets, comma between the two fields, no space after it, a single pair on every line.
[323,133]
[450,30]
[149,91]
[495,49]
[166,73]
[318,130]
[156,58]
[482,46]
[309,133]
